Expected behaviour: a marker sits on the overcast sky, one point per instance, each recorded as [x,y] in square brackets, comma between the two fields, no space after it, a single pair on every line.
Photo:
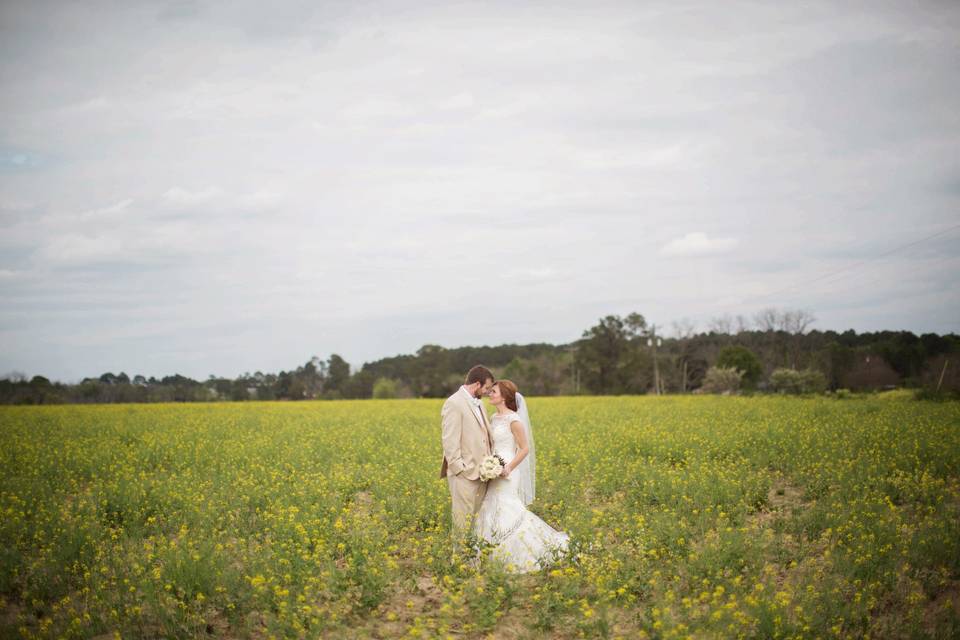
[220,187]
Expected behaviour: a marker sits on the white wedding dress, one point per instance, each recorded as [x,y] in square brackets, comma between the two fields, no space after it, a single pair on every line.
[519,536]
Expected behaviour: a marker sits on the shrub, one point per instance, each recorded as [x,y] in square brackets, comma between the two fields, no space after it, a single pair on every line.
[721,380]
[926,393]
[385,388]
[793,381]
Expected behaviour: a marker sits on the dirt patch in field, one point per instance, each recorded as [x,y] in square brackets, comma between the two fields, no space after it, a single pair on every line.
[401,609]
[784,495]
[515,621]
[783,499]
[218,626]
[945,605]
[509,627]
[362,500]
[11,615]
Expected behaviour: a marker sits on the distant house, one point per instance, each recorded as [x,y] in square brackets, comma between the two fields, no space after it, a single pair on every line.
[870,372]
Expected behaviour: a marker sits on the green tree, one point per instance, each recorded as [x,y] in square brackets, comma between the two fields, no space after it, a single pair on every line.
[904,351]
[338,373]
[840,360]
[238,390]
[611,358]
[360,385]
[39,382]
[743,360]
[311,377]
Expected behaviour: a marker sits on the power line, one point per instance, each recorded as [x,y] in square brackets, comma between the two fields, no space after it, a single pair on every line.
[925,266]
[855,265]
[752,299]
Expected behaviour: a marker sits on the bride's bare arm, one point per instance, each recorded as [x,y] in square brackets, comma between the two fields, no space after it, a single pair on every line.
[520,435]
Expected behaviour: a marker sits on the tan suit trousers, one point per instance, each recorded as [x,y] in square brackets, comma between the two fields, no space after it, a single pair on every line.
[466,497]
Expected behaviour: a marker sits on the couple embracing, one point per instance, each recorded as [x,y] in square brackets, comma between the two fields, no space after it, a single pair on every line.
[495,510]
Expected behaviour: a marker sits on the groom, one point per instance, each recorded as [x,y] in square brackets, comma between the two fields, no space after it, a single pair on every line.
[466,442]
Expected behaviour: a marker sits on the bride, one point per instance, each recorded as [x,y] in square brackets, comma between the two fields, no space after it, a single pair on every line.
[521,539]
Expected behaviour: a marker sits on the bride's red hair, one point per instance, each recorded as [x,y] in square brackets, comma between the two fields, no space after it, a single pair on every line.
[509,392]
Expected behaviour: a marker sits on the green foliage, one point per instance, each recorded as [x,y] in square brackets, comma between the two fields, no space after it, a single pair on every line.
[542,375]
[840,361]
[385,388]
[925,393]
[744,361]
[436,372]
[338,372]
[611,356]
[792,381]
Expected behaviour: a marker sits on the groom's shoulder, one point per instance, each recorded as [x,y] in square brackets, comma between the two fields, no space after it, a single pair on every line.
[451,400]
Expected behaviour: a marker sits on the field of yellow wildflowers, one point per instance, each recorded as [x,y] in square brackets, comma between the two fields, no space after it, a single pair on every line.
[700,517]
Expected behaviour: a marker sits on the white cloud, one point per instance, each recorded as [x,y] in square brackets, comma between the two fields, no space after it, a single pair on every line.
[458,102]
[324,171]
[382,108]
[178,196]
[260,200]
[110,212]
[697,244]
[213,199]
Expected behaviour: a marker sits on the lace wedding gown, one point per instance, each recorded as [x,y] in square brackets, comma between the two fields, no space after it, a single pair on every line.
[520,538]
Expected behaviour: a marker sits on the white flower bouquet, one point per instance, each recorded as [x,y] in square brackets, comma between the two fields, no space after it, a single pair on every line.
[491,467]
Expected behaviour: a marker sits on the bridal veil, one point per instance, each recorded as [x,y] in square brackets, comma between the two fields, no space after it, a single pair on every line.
[527,469]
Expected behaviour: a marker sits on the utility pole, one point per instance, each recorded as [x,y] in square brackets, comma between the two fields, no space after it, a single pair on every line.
[574,371]
[654,341]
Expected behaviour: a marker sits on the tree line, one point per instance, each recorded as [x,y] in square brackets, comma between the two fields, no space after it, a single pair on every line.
[773,351]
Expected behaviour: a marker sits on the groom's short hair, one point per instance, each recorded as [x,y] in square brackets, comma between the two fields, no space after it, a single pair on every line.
[479,374]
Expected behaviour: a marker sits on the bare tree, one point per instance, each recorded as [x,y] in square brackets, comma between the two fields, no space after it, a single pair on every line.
[743,324]
[767,319]
[683,329]
[797,321]
[779,326]
[722,325]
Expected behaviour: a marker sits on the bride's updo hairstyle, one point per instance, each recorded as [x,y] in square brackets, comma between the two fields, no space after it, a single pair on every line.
[509,392]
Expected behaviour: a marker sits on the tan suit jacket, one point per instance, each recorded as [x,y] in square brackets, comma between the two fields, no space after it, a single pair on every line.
[466,439]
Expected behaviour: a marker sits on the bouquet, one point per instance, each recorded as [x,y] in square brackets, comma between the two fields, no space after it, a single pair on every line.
[490,467]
